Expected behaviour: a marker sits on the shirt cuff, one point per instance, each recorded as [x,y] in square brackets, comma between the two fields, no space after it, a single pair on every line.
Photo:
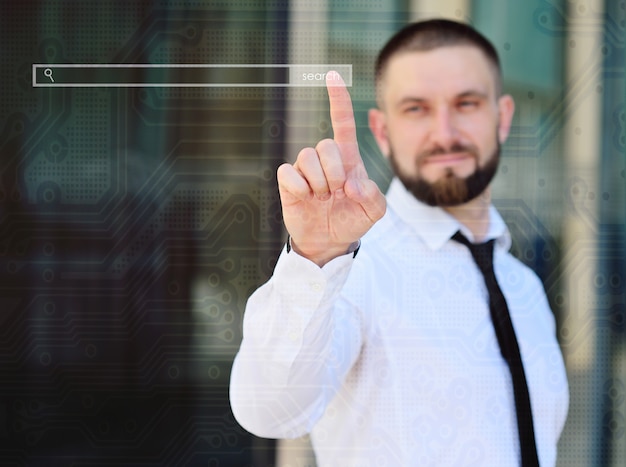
[353,248]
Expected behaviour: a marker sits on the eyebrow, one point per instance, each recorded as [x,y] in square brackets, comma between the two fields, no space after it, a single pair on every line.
[473,93]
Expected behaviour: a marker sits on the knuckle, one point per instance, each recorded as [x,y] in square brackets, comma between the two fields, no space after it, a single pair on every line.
[285,171]
[283,168]
[307,155]
[326,145]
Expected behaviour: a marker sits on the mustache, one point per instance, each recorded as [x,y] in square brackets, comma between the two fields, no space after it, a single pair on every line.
[455,148]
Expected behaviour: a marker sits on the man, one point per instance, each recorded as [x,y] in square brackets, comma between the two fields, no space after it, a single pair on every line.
[391,357]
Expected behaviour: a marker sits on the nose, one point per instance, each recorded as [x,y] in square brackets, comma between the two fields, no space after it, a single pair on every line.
[443,131]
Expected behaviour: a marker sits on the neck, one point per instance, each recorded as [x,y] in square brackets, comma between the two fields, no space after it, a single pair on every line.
[474,215]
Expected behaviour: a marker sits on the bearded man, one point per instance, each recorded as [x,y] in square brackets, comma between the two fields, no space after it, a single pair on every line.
[417,350]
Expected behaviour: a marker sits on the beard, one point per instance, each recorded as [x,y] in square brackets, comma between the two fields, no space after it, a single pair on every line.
[450,190]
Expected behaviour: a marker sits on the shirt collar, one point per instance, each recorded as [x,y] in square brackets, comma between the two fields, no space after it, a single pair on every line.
[434,225]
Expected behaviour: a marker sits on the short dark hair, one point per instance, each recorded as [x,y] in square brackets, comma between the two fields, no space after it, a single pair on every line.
[424,36]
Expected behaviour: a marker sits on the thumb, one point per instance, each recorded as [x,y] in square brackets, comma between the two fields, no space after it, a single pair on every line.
[366,193]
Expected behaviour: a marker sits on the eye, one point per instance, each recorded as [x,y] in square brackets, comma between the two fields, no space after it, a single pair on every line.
[414,109]
[468,104]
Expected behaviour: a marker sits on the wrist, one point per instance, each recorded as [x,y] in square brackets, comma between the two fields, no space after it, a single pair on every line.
[322,256]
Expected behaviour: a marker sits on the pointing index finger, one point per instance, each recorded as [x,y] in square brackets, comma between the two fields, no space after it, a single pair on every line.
[342,120]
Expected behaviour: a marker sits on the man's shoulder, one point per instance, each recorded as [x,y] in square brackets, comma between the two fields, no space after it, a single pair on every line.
[518,270]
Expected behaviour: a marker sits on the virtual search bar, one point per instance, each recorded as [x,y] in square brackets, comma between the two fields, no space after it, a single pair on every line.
[187,75]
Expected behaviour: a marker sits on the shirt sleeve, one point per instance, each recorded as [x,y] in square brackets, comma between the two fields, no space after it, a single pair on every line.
[298,344]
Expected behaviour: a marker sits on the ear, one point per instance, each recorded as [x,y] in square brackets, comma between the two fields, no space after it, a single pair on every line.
[506,109]
[378,127]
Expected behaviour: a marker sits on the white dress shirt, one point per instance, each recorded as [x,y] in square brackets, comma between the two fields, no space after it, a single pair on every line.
[391,359]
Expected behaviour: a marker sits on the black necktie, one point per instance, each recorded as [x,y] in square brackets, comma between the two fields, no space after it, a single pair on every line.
[483,256]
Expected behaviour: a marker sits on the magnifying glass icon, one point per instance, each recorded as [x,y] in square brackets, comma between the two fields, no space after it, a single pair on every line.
[48,74]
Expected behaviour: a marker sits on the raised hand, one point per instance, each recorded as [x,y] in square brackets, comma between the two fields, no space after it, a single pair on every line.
[328,200]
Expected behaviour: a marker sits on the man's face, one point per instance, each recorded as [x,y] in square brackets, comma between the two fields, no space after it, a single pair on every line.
[441,123]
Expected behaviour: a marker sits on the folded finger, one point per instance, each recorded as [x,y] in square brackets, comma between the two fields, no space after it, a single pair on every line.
[332,164]
[308,164]
[292,184]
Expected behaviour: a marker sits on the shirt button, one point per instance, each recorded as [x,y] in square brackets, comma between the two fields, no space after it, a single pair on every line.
[293,336]
[316,287]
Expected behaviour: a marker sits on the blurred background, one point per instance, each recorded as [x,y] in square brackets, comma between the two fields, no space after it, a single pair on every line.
[135,222]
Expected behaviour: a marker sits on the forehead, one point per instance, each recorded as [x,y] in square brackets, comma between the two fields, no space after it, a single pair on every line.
[441,72]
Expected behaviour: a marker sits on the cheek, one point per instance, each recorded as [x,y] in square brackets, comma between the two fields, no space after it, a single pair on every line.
[406,135]
[404,153]
[481,132]
[487,145]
